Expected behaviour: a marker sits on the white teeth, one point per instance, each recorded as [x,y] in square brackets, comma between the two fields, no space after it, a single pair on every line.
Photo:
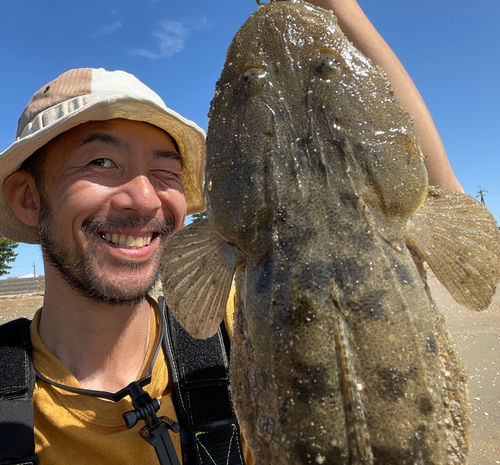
[129,242]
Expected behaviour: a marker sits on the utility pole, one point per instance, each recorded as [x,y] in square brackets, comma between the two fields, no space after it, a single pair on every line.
[481,193]
[34,269]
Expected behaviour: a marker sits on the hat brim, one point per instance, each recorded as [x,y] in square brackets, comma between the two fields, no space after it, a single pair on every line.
[188,136]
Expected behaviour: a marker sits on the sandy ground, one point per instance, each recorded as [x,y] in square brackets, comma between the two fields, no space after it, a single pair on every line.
[477,336]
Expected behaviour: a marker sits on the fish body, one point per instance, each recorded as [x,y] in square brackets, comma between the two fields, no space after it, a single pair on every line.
[319,205]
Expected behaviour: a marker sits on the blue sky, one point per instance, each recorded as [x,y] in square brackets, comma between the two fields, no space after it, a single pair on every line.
[451,48]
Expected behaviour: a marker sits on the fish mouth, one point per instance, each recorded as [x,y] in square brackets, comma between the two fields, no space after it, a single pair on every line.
[128,241]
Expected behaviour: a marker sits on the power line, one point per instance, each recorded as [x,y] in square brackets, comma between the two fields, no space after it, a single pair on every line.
[481,193]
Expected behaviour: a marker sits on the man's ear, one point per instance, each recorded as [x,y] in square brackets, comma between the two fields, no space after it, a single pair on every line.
[22,195]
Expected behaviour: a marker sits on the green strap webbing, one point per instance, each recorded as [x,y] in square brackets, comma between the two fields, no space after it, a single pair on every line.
[210,434]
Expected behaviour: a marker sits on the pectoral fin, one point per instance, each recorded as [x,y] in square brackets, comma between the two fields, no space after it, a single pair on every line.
[460,240]
[197,268]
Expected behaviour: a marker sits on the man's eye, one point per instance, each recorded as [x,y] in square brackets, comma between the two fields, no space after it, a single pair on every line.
[168,174]
[102,163]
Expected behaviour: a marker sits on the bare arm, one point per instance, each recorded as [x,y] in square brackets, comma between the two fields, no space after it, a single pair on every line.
[360,31]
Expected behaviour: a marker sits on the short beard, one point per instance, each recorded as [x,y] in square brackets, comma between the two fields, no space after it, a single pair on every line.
[79,272]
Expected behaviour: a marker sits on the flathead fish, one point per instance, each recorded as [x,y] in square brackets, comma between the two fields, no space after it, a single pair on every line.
[319,208]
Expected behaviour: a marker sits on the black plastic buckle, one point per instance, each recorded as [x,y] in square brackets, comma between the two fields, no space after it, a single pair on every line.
[156,430]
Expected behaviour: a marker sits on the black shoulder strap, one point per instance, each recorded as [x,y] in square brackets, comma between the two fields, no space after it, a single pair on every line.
[209,430]
[17,382]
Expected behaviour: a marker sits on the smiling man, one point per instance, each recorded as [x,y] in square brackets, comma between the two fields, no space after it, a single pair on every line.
[119,195]
[100,175]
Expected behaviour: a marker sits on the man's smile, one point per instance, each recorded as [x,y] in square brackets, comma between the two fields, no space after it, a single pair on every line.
[127,241]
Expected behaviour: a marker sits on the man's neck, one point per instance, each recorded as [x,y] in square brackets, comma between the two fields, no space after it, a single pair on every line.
[102,346]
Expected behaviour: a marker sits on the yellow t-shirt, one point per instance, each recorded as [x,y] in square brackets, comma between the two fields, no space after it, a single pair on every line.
[81,430]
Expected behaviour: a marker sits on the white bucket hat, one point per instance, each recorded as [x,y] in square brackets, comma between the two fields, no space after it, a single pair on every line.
[82,95]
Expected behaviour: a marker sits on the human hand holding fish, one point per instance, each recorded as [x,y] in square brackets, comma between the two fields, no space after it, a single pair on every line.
[319,206]
[361,32]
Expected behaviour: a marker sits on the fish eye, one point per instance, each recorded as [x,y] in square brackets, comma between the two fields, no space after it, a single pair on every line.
[327,63]
[254,78]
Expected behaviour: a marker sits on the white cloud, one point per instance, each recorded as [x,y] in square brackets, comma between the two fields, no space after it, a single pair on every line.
[171,38]
[104,30]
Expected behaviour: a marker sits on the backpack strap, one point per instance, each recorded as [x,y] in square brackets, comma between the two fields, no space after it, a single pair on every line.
[210,434]
[17,383]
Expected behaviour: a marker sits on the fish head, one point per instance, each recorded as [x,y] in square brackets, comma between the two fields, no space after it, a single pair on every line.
[301,117]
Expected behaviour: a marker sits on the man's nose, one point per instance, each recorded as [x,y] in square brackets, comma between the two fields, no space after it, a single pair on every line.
[138,196]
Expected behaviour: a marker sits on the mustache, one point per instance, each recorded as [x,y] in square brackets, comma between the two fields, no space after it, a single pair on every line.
[95,225]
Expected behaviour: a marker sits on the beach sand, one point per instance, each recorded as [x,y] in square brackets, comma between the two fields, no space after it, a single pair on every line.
[477,336]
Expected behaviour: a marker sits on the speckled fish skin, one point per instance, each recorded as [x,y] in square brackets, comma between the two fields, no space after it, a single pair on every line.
[316,184]
[340,343]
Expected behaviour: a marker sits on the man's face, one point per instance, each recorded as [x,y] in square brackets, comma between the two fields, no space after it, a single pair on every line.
[112,194]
